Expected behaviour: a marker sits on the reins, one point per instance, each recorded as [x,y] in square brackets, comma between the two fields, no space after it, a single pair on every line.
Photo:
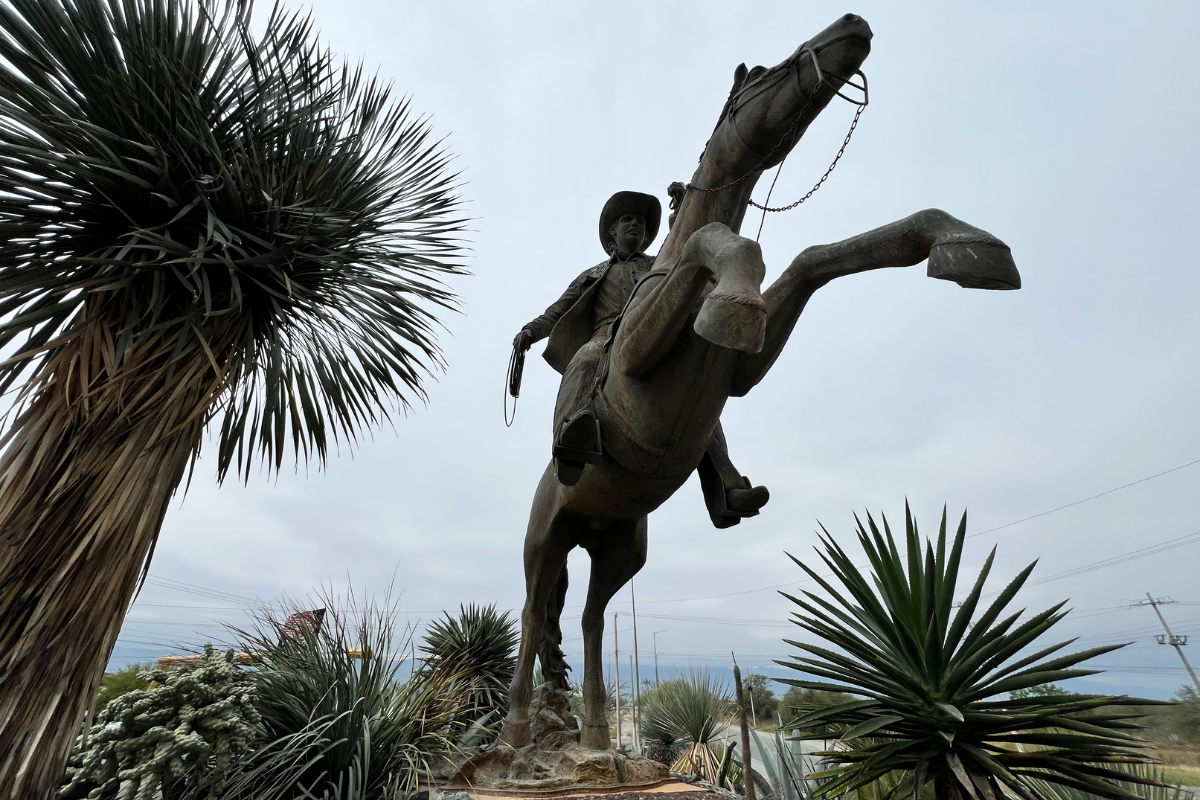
[765,207]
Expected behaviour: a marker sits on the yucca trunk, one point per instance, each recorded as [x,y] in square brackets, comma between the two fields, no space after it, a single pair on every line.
[87,474]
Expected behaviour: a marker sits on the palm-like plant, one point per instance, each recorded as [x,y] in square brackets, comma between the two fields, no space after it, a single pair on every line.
[480,647]
[932,682]
[199,227]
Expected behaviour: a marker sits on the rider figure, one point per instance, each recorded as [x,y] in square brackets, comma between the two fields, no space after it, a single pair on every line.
[579,323]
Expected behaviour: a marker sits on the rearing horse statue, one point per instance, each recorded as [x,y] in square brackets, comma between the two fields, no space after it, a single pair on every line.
[697,331]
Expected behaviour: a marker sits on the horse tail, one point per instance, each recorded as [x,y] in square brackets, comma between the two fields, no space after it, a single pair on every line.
[554,664]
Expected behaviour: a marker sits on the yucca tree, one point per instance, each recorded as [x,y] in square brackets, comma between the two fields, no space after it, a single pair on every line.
[200,228]
[932,677]
[691,709]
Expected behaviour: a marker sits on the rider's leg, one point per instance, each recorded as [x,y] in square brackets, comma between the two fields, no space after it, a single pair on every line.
[576,433]
[728,494]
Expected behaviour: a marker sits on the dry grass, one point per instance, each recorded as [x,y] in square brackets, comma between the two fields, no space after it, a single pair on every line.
[1181,762]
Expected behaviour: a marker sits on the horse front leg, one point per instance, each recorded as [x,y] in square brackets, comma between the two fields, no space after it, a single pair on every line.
[956,251]
[547,544]
[733,314]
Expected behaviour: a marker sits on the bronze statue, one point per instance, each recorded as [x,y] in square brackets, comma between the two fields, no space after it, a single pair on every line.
[696,331]
[579,324]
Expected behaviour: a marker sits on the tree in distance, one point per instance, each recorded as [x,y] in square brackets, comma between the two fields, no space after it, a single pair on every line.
[203,228]
[930,682]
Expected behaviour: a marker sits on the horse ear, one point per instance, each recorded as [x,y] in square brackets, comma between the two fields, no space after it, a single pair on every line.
[739,75]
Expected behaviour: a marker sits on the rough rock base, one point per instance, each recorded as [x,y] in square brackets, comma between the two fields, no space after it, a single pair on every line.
[554,761]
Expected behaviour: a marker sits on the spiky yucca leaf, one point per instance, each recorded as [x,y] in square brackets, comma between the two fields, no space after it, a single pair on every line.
[932,681]
[691,708]
[480,646]
[197,224]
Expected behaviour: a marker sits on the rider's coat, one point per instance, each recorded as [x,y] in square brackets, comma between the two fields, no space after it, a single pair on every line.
[590,303]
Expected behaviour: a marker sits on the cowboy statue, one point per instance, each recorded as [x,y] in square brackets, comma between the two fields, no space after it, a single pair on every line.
[578,326]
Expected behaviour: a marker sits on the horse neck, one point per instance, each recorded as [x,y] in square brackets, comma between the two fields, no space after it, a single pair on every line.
[718,167]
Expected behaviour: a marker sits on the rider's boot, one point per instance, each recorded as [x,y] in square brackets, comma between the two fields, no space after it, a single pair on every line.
[728,494]
[577,436]
[577,444]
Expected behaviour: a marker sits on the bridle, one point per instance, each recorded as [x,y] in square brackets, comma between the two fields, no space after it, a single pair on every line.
[763,83]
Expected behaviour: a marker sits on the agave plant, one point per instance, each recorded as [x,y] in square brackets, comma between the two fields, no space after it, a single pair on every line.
[201,227]
[784,763]
[340,721]
[479,647]
[932,682]
[1155,787]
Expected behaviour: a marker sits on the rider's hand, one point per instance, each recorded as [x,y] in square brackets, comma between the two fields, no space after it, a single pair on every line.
[523,340]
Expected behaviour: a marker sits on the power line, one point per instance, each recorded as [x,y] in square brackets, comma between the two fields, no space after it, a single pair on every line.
[1086,499]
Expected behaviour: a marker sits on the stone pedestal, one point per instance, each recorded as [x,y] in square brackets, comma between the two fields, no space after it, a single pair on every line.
[554,761]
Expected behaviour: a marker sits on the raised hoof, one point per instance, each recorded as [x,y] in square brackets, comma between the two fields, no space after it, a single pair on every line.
[735,321]
[974,262]
[517,734]
[595,737]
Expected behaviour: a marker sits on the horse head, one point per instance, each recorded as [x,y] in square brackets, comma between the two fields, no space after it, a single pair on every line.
[767,113]
[773,108]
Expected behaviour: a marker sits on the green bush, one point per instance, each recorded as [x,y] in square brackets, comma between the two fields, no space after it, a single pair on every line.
[188,731]
[761,701]
[126,679]
[796,702]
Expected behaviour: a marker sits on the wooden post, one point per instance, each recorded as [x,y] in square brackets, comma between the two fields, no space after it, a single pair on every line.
[747,768]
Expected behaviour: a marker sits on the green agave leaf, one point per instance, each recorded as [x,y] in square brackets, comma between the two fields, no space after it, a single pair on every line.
[869,726]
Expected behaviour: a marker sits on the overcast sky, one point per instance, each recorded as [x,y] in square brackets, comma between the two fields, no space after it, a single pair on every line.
[1068,130]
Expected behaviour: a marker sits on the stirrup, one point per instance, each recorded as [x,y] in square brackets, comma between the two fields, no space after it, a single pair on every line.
[572,442]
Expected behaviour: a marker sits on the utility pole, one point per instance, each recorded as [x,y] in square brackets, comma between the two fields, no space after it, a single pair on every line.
[1175,641]
[617,670]
[635,673]
[654,638]
[633,702]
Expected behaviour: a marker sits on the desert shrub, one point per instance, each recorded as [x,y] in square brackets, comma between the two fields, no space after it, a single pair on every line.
[339,720]
[689,712]
[760,697]
[797,702]
[126,679]
[189,730]
[479,647]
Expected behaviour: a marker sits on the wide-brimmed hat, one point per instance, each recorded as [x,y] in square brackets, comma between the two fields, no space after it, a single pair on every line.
[630,203]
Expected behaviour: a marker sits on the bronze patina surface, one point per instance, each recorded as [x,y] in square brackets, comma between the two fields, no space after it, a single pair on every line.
[698,330]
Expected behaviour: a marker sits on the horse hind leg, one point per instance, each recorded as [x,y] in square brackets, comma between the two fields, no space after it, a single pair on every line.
[617,554]
[554,663]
